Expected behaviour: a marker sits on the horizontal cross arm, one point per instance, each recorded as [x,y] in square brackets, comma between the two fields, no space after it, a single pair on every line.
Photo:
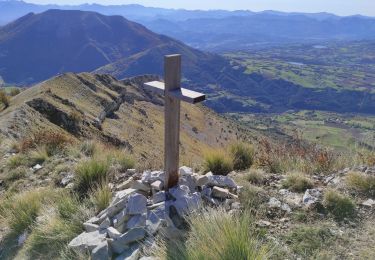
[181,94]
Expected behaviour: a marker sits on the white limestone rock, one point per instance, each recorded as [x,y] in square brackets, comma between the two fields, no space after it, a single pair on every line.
[101,252]
[89,227]
[184,170]
[137,204]
[88,240]
[113,233]
[139,185]
[157,185]
[119,245]
[159,197]
[137,221]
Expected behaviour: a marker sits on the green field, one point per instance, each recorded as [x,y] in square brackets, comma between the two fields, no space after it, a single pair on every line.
[340,131]
[348,66]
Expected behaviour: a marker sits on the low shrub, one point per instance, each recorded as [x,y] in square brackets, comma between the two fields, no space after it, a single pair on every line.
[361,182]
[54,142]
[89,174]
[243,156]
[338,205]
[14,92]
[218,162]
[101,196]
[307,241]
[216,234]
[297,182]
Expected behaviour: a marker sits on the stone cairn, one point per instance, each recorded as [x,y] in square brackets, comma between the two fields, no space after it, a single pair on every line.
[141,209]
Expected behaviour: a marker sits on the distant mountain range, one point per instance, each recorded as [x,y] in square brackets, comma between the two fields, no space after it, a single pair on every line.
[39,46]
[220,30]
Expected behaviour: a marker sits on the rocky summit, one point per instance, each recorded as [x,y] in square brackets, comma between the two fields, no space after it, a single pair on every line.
[128,228]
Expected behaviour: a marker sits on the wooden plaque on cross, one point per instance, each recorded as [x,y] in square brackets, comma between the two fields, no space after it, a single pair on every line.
[173,94]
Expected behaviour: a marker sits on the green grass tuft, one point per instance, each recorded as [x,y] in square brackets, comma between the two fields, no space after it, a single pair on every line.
[89,174]
[218,163]
[243,156]
[216,234]
[338,205]
[101,196]
[297,182]
[307,241]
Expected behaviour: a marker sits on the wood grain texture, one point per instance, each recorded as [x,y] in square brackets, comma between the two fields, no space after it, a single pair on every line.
[172,78]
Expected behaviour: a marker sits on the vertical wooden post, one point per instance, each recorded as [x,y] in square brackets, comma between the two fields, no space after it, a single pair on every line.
[172,78]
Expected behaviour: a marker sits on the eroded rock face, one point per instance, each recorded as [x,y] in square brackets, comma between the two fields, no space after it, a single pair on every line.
[132,219]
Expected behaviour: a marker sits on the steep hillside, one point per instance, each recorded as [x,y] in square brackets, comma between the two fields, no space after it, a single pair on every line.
[38,46]
[117,112]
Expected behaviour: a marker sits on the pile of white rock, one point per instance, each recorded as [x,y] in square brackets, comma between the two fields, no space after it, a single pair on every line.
[141,209]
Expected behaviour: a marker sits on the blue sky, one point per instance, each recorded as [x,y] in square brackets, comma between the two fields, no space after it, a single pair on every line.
[341,7]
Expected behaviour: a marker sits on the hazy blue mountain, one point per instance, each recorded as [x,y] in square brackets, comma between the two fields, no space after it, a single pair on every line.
[36,47]
[220,30]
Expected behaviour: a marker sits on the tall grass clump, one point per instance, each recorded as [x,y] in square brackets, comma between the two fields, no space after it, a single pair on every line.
[242,155]
[101,196]
[339,205]
[216,234]
[89,174]
[361,182]
[49,239]
[16,161]
[122,159]
[295,156]
[297,182]
[217,162]
[20,211]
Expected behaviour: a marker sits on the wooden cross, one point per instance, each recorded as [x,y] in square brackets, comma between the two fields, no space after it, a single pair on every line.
[173,94]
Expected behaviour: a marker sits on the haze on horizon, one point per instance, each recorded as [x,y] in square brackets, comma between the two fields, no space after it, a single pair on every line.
[339,7]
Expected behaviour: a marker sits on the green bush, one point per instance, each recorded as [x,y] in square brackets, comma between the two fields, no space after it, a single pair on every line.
[339,205]
[243,156]
[89,174]
[307,241]
[218,163]
[297,182]
[362,183]
[216,234]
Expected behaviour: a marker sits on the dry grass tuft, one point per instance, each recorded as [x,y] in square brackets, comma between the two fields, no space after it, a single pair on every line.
[361,182]
[297,182]
[53,142]
[101,196]
[338,205]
